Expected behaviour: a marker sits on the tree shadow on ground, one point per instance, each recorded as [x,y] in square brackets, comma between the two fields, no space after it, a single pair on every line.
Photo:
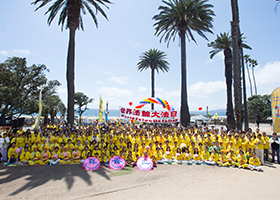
[40,175]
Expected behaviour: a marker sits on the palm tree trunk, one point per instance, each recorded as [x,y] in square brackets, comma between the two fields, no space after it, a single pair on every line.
[255,84]
[250,82]
[228,76]
[153,86]
[184,114]
[246,123]
[235,34]
[70,76]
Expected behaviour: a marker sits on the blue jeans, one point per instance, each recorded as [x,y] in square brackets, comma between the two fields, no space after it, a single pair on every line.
[277,155]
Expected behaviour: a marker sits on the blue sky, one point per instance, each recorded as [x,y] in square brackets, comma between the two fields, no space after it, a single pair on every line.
[106,58]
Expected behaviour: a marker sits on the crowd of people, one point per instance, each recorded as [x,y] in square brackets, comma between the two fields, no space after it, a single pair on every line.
[61,144]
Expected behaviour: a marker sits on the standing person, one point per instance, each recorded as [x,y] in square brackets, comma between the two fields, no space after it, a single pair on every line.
[259,146]
[274,141]
[4,146]
[266,146]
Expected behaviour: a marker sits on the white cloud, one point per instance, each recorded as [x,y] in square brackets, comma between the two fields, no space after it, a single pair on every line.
[142,89]
[4,53]
[267,77]
[22,51]
[119,80]
[205,89]
[117,92]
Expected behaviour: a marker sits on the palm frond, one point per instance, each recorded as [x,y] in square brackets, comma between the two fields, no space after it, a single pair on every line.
[188,15]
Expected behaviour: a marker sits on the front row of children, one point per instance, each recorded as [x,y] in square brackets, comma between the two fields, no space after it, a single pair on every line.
[223,160]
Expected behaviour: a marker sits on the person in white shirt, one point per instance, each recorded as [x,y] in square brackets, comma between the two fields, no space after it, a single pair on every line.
[4,143]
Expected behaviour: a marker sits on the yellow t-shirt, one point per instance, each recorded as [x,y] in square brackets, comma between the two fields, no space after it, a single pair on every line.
[254,161]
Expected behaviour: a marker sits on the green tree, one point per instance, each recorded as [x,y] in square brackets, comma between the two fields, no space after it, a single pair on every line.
[71,16]
[223,43]
[183,17]
[19,86]
[81,100]
[259,108]
[51,106]
[155,60]
[236,55]
[50,101]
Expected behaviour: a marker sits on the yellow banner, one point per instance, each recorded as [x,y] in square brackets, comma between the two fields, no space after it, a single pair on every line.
[101,110]
[275,104]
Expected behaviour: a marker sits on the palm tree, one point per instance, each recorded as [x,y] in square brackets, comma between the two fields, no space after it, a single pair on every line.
[236,55]
[223,43]
[253,64]
[71,13]
[242,45]
[183,17]
[247,57]
[155,60]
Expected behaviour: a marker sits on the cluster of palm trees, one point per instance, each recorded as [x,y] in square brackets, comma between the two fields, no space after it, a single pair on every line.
[176,18]
[251,63]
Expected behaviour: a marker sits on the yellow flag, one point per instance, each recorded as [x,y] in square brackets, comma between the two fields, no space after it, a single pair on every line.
[215,116]
[275,104]
[37,122]
[101,110]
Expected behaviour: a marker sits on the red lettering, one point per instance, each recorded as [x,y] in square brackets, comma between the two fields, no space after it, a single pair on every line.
[146,113]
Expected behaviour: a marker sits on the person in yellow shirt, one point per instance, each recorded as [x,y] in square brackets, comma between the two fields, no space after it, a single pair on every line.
[70,145]
[85,153]
[266,146]
[249,154]
[223,160]
[231,158]
[13,150]
[250,143]
[187,156]
[158,156]
[36,158]
[178,156]
[205,155]
[55,156]
[65,156]
[168,155]
[242,161]
[46,155]
[76,156]
[254,163]
[38,145]
[25,156]
[196,157]
[259,146]
[214,158]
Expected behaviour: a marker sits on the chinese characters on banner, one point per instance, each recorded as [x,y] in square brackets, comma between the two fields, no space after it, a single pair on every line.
[151,116]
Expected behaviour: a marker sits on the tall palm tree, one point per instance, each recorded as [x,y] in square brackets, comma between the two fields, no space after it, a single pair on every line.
[223,43]
[242,45]
[183,17]
[155,60]
[71,17]
[247,57]
[253,64]
[236,55]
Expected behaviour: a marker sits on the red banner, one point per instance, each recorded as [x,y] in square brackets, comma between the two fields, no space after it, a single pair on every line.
[152,116]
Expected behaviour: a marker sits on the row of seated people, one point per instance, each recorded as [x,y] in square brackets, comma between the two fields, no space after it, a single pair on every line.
[66,154]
